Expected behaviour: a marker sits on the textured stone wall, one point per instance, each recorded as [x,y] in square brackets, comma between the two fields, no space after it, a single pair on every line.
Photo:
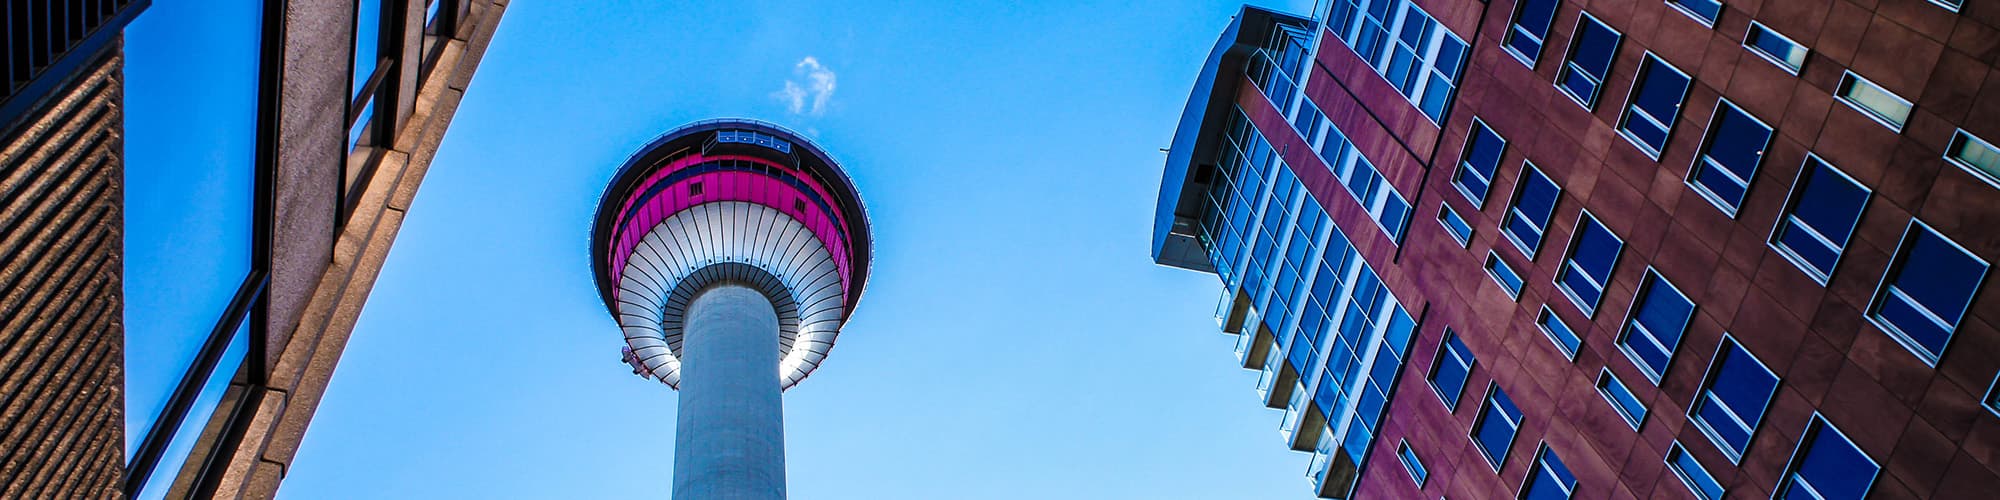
[61,331]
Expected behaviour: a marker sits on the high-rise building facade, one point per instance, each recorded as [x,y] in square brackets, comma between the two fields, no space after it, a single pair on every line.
[731,253]
[197,197]
[1592,249]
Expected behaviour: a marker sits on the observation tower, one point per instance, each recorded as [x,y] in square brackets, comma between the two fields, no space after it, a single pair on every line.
[730,252]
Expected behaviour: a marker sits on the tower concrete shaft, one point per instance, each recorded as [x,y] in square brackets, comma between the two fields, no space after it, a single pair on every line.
[729,442]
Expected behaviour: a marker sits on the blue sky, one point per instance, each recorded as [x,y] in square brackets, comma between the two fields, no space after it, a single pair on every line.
[1015,340]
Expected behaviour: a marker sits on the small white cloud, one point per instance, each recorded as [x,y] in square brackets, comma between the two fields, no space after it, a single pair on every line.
[809,98]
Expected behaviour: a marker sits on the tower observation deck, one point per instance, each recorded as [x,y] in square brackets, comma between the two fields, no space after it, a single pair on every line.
[730,252]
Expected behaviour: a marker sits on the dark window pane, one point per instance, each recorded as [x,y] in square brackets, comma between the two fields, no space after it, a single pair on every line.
[1832,466]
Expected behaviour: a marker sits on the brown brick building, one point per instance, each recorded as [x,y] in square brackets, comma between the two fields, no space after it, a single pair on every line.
[196,200]
[1650,248]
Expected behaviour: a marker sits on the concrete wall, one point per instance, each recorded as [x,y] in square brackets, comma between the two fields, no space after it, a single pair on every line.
[61,324]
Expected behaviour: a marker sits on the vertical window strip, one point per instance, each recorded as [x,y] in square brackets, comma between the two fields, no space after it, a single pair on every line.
[1820,215]
[1591,53]
[1407,47]
[1730,154]
[1975,155]
[1926,291]
[1873,101]
[1775,47]
[1366,184]
[1654,105]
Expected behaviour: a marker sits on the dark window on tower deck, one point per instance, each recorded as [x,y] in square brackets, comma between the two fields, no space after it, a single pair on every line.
[1733,397]
[1529,29]
[1450,370]
[1654,105]
[1826,466]
[1655,325]
[1591,53]
[1499,420]
[1729,157]
[694,189]
[1593,252]
[1479,161]
[1926,291]
[1820,216]
[1527,221]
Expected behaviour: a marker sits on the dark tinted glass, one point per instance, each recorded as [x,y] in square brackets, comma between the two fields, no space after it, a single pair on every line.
[1737,144]
[1596,45]
[1497,425]
[1453,364]
[1551,480]
[1536,202]
[1939,275]
[1532,20]
[1706,9]
[1833,466]
[1743,386]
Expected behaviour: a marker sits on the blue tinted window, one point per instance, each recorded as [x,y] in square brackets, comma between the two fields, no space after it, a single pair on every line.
[1454,225]
[1590,57]
[367,40]
[189,183]
[1498,421]
[1412,464]
[1657,95]
[1509,280]
[1775,47]
[1927,290]
[1534,204]
[1531,25]
[1827,466]
[1820,217]
[1992,401]
[1593,252]
[1654,326]
[1481,159]
[1621,398]
[1732,401]
[1702,10]
[1559,332]
[1453,365]
[1697,479]
[1736,143]
[187,437]
[1550,479]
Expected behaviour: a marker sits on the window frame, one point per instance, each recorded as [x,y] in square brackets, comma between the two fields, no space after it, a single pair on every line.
[1705,21]
[1817,424]
[1961,139]
[1680,473]
[1494,265]
[1647,282]
[1575,243]
[1430,378]
[1541,40]
[1701,157]
[1548,315]
[1637,422]
[1792,199]
[1514,210]
[1569,55]
[1464,157]
[1412,464]
[1626,115]
[1759,27]
[1960,4]
[1849,79]
[1709,378]
[1479,423]
[1992,400]
[1543,451]
[1464,240]
[1875,301]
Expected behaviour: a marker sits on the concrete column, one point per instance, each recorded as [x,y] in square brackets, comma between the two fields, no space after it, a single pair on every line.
[730,439]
